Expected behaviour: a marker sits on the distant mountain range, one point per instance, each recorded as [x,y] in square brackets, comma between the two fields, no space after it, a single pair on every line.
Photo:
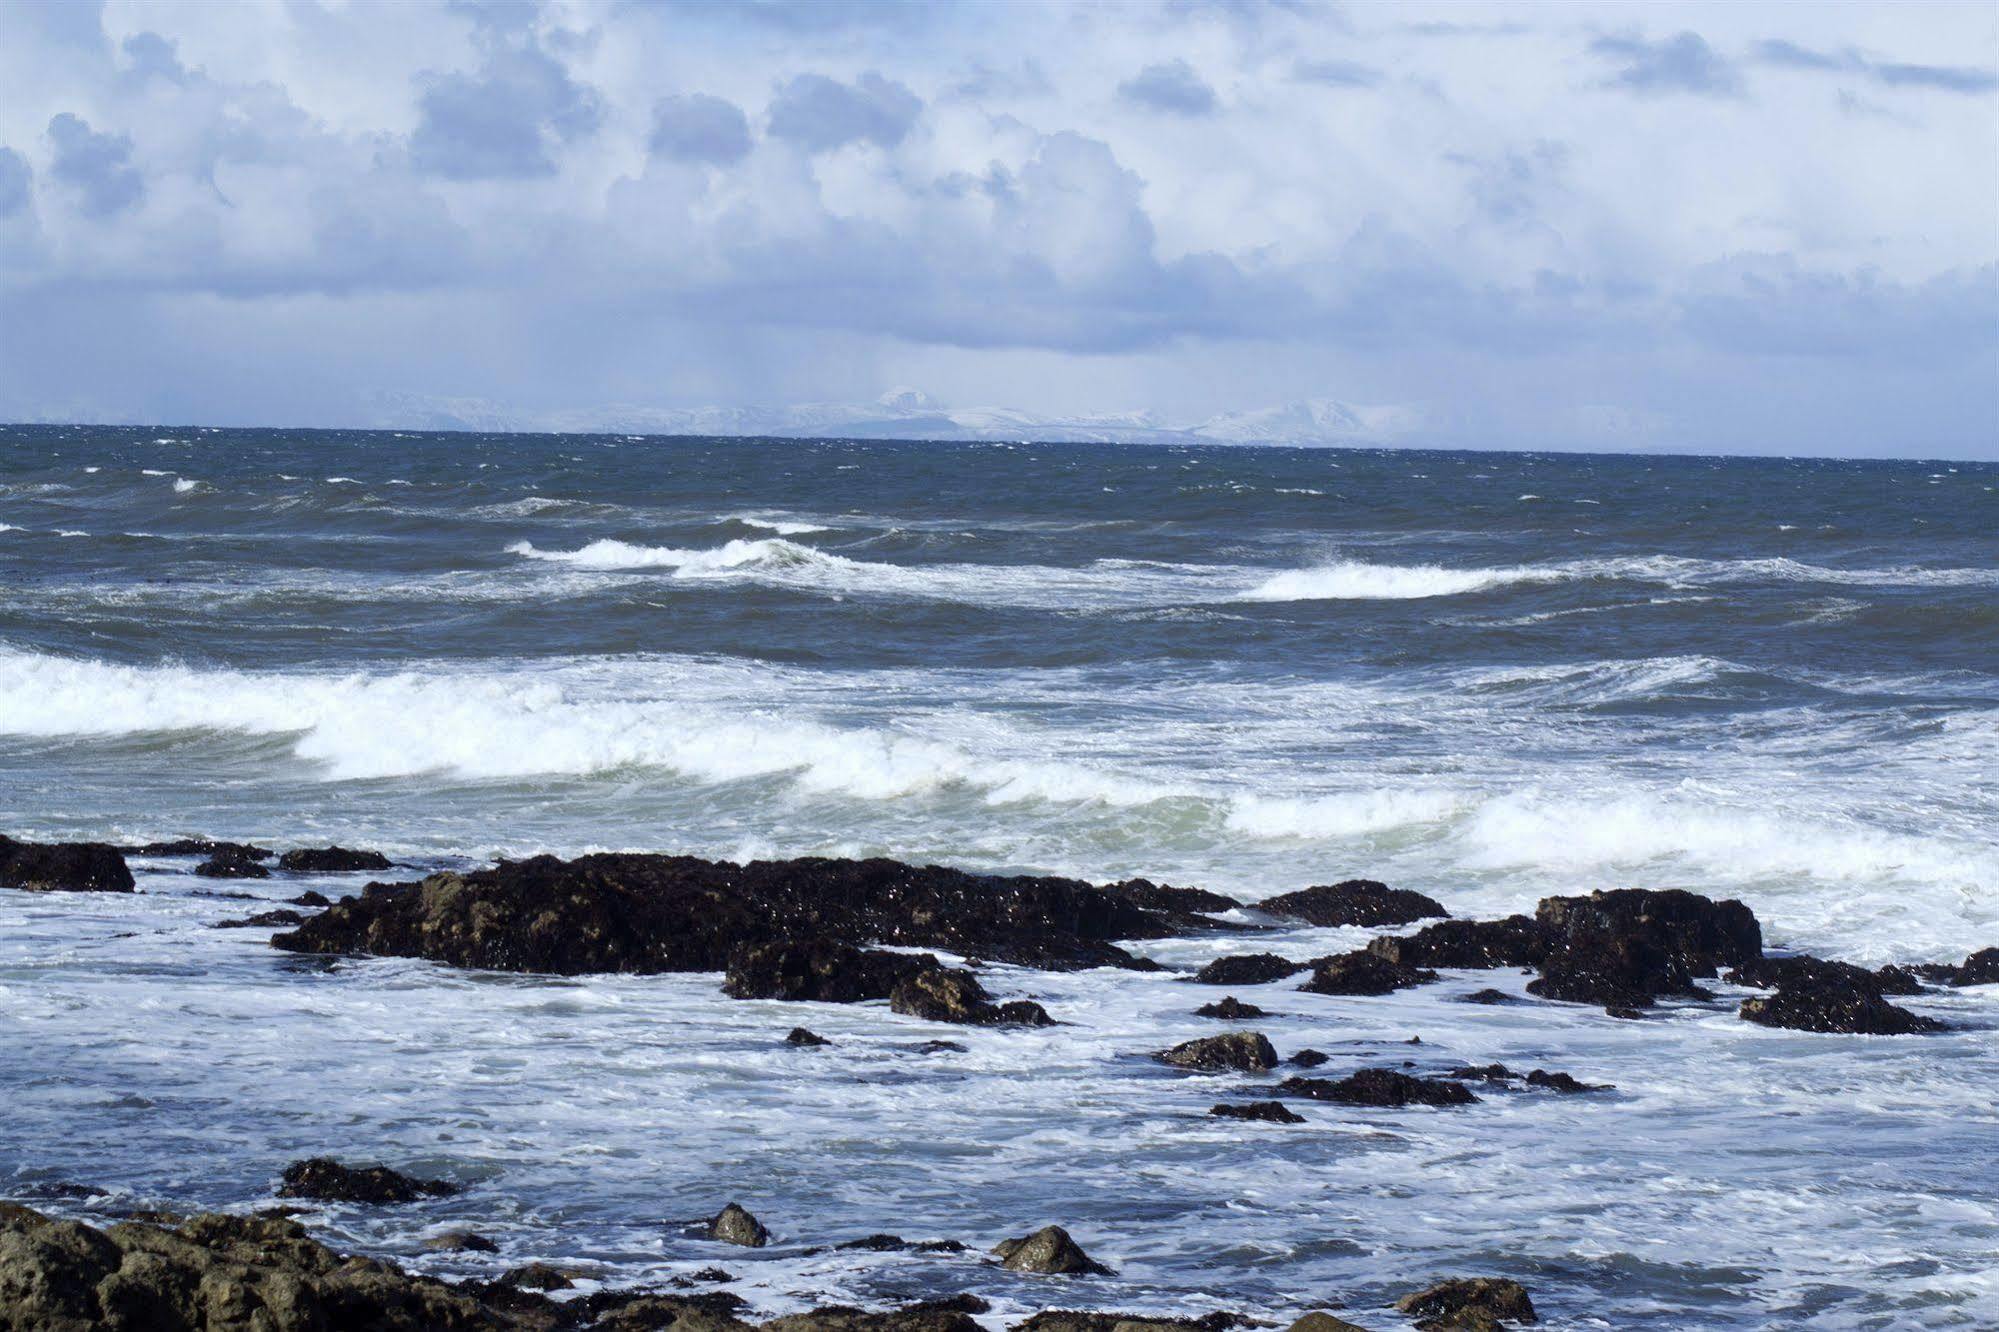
[907,413]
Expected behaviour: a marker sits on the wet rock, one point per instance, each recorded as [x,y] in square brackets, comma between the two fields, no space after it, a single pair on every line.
[1703,933]
[1826,1002]
[231,863]
[1322,1322]
[1563,1082]
[1380,1087]
[1981,968]
[1624,1014]
[537,1276]
[1771,973]
[1469,1304]
[203,846]
[876,1243]
[946,1315]
[822,970]
[1516,941]
[623,1311]
[1483,1073]
[279,917]
[1309,1058]
[800,1036]
[62,867]
[331,860]
[1354,902]
[734,1225]
[217,1273]
[706,1276]
[461,1241]
[1269,1112]
[1238,1052]
[1363,973]
[1048,1250]
[654,913]
[1628,970]
[1230,1009]
[941,1047]
[327,1180]
[1248,969]
[952,994]
[1071,1320]
[312,899]
[1163,897]
[1490,997]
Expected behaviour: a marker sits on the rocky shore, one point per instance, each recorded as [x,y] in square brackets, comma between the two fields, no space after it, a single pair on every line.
[832,931]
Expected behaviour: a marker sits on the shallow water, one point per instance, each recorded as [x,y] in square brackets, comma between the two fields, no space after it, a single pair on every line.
[1488,677]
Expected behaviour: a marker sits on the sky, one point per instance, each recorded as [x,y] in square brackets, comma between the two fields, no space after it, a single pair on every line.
[1722,228]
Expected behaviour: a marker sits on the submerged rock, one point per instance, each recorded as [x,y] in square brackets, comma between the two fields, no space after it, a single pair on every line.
[1270,1112]
[1379,1087]
[1230,1009]
[1468,1304]
[1353,902]
[1516,941]
[232,862]
[280,916]
[655,913]
[331,860]
[734,1225]
[1363,972]
[1488,997]
[1238,1052]
[1048,1250]
[824,970]
[1248,969]
[62,867]
[800,1036]
[461,1241]
[952,994]
[327,1180]
[1540,1077]
[1309,1058]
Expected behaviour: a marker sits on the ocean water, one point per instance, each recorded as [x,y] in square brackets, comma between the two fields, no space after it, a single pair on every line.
[1489,677]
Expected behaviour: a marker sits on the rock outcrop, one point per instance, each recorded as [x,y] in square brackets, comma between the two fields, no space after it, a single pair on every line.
[1353,902]
[63,867]
[1833,998]
[1237,1052]
[232,862]
[1248,969]
[1269,1112]
[331,860]
[1468,1304]
[1230,1009]
[1048,1250]
[734,1225]
[824,970]
[327,1180]
[1516,941]
[952,994]
[1363,972]
[1384,1087]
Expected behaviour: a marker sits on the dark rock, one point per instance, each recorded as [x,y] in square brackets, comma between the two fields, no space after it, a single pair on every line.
[824,970]
[1771,973]
[942,1047]
[203,846]
[1354,902]
[217,1273]
[734,1225]
[1162,897]
[461,1241]
[1831,1005]
[1563,1082]
[800,1036]
[951,994]
[1230,1009]
[1309,1058]
[231,863]
[537,1276]
[1363,973]
[62,867]
[1483,1073]
[1248,969]
[947,1315]
[705,1276]
[262,918]
[331,860]
[1981,968]
[1048,1250]
[1072,1320]
[1239,1052]
[1379,1087]
[652,913]
[309,898]
[876,1243]
[1703,933]
[327,1180]
[1468,1304]
[1271,1112]
[1323,1322]
[1625,1014]
[1627,970]
[1488,997]
[1516,941]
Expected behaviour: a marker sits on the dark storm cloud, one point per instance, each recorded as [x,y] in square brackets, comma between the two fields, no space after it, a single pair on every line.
[97,167]
[1680,64]
[1173,87]
[820,114]
[699,128]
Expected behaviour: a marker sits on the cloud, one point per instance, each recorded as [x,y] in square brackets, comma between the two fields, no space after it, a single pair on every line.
[1335,73]
[16,182]
[504,121]
[699,128]
[1684,64]
[1172,87]
[151,56]
[1894,74]
[98,167]
[820,114]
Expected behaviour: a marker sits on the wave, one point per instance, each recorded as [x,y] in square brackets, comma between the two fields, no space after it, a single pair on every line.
[1358,580]
[781,526]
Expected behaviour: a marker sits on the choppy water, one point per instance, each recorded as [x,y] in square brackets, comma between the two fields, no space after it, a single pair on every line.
[1490,677]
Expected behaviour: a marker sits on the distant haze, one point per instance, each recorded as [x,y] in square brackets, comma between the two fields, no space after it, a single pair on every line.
[1754,228]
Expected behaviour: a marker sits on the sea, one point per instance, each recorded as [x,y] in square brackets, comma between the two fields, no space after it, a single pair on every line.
[1487,676]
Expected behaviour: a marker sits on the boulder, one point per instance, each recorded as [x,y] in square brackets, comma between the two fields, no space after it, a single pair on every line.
[1771,973]
[1248,969]
[537,1276]
[952,994]
[327,1180]
[1363,973]
[460,1241]
[1516,941]
[1048,1250]
[1827,1003]
[309,898]
[1237,1052]
[331,860]
[734,1225]
[63,867]
[1230,1009]
[1627,970]
[824,970]
[1380,1087]
[1353,902]
[1703,933]
[1488,997]
[1470,1304]
[1269,1112]
[651,913]
[810,1039]
[1323,1322]
[1309,1058]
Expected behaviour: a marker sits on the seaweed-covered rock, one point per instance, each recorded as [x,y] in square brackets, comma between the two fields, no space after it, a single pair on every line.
[734,1225]
[1627,970]
[1703,933]
[1269,1112]
[1516,941]
[825,970]
[63,867]
[1048,1250]
[331,860]
[1248,969]
[652,913]
[1353,902]
[1385,1087]
[1468,1304]
[1363,972]
[1238,1052]
[952,994]
[1230,1009]
[1164,897]
[1832,1005]
[327,1180]
[1771,973]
